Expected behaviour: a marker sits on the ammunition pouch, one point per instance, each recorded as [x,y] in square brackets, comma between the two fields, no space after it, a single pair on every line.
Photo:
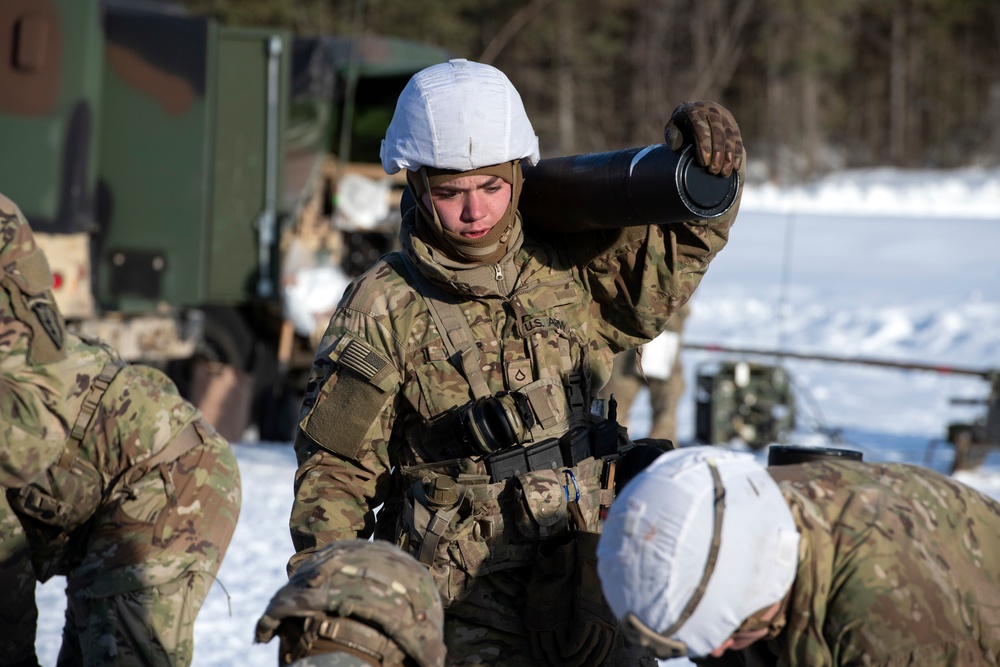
[569,622]
[600,440]
[544,499]
[475,515]
[63,498]
[462,541]
[460,534]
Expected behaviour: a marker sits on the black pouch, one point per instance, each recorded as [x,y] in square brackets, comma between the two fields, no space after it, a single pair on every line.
[569,622]
[52,508]
[63,498]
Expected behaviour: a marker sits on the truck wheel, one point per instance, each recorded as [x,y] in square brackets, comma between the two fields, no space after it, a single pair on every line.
[218,379]
[228,338]
[277,395]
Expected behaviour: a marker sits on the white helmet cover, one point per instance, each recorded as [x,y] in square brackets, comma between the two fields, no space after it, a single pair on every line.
[458,115]
[656,540]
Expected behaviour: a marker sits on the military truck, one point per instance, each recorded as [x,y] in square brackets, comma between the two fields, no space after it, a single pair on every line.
[157,156]
[167,163]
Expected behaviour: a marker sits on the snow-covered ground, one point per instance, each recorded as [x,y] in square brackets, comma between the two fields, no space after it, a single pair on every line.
[902,266]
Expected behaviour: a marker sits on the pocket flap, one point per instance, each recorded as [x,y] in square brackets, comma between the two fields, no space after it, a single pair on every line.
[544,498]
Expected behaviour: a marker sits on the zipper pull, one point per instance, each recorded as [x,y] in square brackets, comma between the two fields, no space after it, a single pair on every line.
[499,275]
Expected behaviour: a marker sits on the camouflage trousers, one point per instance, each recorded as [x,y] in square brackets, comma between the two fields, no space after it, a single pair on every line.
[148,561]
[472,644]
[18,614]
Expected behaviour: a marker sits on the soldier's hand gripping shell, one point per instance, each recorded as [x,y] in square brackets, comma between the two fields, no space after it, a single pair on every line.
[713,131]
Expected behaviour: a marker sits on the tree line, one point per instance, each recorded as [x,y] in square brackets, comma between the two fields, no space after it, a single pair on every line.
[815,84]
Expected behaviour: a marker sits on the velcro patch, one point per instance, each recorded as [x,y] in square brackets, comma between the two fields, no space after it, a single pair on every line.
[362,359]
[349,402]
[344,412]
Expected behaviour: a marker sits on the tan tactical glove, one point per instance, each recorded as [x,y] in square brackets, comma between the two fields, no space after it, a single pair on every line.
[713,131]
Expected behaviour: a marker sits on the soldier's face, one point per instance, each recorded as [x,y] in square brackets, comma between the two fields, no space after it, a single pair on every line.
[470,205]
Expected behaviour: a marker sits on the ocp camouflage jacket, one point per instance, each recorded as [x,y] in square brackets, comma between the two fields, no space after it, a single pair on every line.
[898,565]
[546,320]
[107,475]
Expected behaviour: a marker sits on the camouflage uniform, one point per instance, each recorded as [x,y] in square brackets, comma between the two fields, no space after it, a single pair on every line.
[357,603]
[545,320]
[664,394]
[898,565]
[111,479]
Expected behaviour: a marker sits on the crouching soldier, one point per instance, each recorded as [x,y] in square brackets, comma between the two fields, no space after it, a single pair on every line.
[710,555]
[110,479]
[356,604]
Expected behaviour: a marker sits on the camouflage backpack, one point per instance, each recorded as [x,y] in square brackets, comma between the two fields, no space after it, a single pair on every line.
[369,597]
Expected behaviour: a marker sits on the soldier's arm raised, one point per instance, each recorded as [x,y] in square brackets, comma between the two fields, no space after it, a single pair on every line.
[645,274]
[649,274]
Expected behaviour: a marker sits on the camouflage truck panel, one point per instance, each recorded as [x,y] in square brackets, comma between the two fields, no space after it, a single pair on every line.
[185,174]
[50,87]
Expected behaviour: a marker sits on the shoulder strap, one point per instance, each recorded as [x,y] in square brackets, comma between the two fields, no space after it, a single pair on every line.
[454,329]
[96,391]
[186,439]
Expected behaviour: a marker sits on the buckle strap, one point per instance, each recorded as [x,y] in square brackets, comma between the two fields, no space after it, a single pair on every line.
[326,635]
[437,524]
[436,527]
[95,393]
[455,332]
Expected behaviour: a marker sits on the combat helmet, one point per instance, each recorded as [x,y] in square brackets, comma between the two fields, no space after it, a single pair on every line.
[366,598]
[454,119]
[696,544]
[26,299]
[458,115]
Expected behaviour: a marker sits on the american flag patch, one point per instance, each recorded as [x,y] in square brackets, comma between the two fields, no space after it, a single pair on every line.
[362,359]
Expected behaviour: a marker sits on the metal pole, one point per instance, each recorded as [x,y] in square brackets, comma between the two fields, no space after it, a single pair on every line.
[268,222]
[902,365]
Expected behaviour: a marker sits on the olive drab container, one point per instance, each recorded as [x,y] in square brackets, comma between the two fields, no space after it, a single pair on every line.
[783,455]
[743,401]
[155,154]
[161,137]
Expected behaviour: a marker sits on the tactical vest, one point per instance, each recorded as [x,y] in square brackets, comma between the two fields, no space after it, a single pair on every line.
[470,516]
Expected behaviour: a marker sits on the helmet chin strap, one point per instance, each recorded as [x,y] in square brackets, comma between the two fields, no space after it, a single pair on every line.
[420,200]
